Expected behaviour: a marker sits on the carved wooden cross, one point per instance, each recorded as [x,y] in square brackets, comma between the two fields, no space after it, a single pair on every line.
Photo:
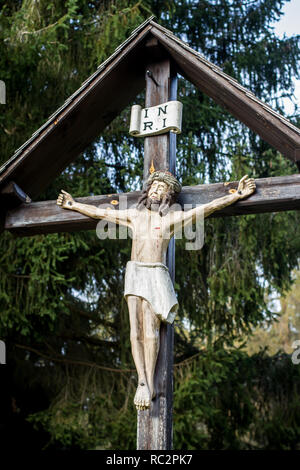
[154,427]
[282,193]
[149,290]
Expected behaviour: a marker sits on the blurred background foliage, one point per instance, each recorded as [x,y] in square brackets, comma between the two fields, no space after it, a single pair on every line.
[70,378]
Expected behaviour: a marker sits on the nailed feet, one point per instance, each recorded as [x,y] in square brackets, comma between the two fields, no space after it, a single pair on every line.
[142,397]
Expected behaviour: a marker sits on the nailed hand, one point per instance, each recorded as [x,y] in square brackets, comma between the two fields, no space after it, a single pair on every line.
[65,200]
[246,187]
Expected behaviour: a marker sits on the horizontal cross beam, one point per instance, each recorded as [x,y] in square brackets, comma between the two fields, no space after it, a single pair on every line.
[275,194]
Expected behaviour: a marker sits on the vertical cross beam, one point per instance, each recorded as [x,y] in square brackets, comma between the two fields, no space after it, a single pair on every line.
[154,429]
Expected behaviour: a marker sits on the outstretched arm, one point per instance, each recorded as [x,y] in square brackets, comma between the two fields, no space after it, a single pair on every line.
[246,188]
[66,201]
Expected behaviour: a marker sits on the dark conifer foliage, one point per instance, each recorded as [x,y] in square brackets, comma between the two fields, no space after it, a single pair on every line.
[70,377]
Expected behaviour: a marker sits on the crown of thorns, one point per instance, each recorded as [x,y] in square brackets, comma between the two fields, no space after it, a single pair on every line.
[167,178]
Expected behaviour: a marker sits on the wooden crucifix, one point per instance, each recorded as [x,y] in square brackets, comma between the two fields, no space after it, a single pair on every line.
[149,290]
[80,120]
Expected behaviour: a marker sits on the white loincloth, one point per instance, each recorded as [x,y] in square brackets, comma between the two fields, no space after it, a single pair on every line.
[152,282]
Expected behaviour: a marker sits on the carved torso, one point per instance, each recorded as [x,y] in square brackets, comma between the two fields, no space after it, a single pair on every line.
[151,234]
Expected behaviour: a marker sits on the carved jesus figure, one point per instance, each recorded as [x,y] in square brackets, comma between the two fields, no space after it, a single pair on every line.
[148,288]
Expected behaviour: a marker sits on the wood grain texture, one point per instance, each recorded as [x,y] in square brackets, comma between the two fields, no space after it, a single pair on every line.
[81,119]
[156,148]
[241,103]
[100,99]
[155,425]
[281,193]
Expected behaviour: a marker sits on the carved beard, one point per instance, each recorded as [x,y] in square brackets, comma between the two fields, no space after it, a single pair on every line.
[152,204]
[161,206]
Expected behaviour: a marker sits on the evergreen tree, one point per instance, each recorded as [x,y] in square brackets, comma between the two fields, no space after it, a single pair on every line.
[281,335]
[62,312]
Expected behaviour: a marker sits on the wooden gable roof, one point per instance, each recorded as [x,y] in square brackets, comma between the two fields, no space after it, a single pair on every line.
[112,87]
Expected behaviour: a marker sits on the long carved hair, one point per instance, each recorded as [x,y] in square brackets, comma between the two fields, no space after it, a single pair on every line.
[163,207]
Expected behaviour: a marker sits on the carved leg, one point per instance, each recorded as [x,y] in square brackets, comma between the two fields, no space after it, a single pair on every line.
[151,343]
[142,397]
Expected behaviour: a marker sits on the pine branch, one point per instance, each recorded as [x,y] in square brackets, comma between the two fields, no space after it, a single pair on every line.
[71,361]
